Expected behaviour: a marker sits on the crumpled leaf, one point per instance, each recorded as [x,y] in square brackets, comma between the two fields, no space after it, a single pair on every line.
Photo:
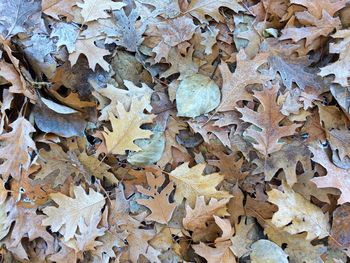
[67,216]
[197,94]
[296,214]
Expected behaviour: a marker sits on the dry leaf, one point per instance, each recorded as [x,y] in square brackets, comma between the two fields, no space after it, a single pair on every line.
[126,128]
[190,184]
[267,118]
[161,209]
[296,214]
[16,143]
[67,216]
[197,217]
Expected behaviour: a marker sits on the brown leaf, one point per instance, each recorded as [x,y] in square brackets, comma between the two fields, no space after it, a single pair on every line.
[161,209]
[16,148]
[93,53]
[295,153]
[321,27]
[336,177]
[294,72]
[267,118]
[341,227]
[196,218]
[234,84]
[200,8]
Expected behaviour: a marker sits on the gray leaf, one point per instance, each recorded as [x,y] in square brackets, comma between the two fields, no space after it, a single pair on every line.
[66,34]
[196,95]
[295,72]
[152,150]
[65,125]
[16,14]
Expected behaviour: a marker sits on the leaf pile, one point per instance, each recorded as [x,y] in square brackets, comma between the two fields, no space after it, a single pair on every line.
[174,131]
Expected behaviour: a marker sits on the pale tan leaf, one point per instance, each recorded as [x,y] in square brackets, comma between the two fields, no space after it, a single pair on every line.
[296,214]
[16,148]
[190,184]
[66,217]
[126,128]
[197,218]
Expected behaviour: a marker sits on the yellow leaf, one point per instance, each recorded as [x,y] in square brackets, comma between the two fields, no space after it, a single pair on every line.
[296,214]
[190,183]
[126,128]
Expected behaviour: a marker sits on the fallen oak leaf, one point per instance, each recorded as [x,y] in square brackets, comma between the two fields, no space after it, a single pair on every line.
[190,184]
[96,9]
[197,217]
[126,128]
[336,177]
[298,248]
[222,252]
[267,118]
[200,8]
[93,53]
[16,148]
[67,216]
[161,209]
[246,73]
